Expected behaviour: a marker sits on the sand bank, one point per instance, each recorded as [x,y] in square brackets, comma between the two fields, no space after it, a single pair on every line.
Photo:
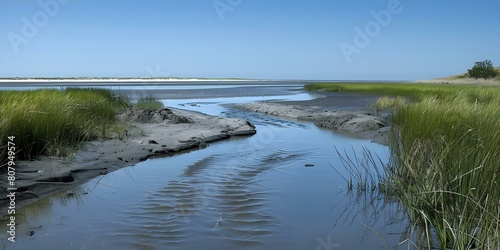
[461,81]
[149,133]
[333,111]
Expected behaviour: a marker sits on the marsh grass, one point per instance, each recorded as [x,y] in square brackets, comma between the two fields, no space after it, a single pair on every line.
[50,121]
[412,91]
[389,103]
[445,160]
[364,171]
[148,103]
[448,162]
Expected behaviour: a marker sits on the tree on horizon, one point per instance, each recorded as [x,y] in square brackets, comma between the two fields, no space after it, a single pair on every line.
[482,69]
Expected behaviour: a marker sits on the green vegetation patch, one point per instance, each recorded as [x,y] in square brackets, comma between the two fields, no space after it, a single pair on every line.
[445,165]
[414,90]
[148,103]
[48,120]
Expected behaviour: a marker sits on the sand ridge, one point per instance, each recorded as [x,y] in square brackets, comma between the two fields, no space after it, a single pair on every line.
[361,123]
[149,133]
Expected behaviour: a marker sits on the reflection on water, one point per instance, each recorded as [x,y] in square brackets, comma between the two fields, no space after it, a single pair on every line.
[212,106]
[246,193]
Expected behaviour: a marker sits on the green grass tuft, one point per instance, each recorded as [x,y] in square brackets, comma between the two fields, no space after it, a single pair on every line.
[149,103]
[385,102]
[48,120]
[445,166]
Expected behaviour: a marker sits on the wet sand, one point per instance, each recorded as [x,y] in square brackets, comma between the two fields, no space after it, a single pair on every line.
[149,134]
[337,101]
[344,112]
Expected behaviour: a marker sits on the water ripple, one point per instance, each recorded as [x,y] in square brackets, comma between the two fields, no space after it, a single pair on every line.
[208,196]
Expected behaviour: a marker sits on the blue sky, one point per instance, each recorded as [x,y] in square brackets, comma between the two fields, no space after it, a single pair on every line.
[269,39]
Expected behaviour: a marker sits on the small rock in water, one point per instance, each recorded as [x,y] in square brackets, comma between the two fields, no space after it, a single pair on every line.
[149,142]
[308,165]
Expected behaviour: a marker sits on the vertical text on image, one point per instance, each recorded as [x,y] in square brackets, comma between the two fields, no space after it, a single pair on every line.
[11,188]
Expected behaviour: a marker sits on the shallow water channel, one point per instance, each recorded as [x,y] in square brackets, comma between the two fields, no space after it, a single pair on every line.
[274,190]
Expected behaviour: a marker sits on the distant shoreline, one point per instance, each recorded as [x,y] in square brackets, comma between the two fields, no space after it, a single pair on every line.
[136,82]
[117,79]
[91,82]
[113,80]
[167,81]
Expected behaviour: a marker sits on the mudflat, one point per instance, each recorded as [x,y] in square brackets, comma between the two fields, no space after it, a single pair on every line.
[344,112]
[149,133]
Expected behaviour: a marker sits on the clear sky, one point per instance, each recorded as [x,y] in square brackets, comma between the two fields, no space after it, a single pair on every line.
[270,39]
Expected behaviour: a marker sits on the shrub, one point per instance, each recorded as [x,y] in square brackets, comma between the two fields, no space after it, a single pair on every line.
[482,69]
